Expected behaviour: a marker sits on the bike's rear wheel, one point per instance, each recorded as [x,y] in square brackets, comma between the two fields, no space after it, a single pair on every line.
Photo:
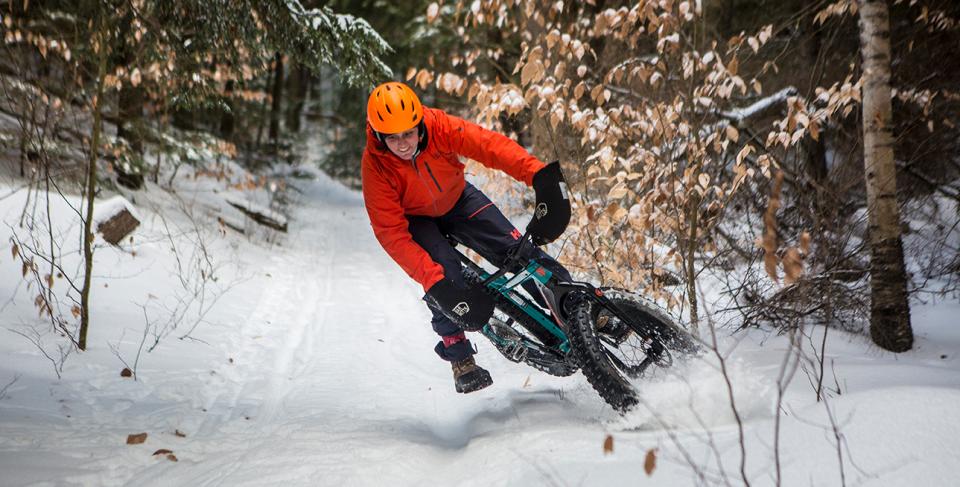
[612,351]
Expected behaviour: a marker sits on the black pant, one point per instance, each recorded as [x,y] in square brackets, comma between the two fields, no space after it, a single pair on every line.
[476,222]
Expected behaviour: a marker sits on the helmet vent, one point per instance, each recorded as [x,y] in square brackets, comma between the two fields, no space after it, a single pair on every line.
[402,105]
[380,116]
[387,106]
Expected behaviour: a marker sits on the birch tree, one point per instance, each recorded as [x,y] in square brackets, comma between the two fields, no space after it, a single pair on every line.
[890,310]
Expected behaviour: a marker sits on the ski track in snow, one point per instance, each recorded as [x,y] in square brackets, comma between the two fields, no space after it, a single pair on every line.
[333,381]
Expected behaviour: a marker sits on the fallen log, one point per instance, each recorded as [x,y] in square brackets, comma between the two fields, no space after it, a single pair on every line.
[259,214]
[116,220]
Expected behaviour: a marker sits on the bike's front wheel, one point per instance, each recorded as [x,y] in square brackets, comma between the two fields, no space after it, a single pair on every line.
[613,350]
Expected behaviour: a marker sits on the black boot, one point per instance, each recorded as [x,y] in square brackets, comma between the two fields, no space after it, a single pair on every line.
[469,377]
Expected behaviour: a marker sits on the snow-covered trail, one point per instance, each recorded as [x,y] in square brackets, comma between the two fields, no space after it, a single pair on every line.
[319,370]
[334,381]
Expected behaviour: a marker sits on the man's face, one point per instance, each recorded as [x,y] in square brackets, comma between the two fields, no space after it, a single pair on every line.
[404,144]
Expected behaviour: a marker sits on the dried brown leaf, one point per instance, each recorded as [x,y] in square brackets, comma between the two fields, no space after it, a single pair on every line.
[608,445]
[532,72]
[770,244]
[126,372]
[162,451]
[172,457]
[650,462]
[617,191]
[136,439]
[733,66]
[792,265]
[744,152]
[732,133]
[179,434]
[15,250]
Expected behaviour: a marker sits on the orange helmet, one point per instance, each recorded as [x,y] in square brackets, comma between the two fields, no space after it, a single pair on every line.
[393,108]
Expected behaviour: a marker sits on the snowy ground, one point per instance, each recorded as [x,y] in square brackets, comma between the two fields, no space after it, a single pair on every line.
[316,368]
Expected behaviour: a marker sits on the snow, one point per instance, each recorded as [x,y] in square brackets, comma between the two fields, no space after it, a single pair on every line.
[737,116]
[107,209]
[315,367]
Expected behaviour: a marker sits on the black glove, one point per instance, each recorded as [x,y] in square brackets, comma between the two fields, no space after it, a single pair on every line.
[552,213]
[467,305]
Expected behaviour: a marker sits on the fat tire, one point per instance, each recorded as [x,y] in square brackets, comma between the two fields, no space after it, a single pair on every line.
[600,372]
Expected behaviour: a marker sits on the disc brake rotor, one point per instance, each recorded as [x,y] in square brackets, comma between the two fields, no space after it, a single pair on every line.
[633,357]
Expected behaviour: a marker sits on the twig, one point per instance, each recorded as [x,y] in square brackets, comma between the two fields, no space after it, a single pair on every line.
[3,392]
[838,437]
[37,341]
[787,372]
[823,350]
[714,347]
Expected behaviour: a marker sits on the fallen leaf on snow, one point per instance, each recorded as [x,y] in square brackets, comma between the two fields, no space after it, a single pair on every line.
[126,372]
[608,445]
[162,451]
[650,463]
[136,439]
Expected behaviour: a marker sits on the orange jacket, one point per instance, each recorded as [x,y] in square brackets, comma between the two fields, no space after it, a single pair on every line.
[430,184]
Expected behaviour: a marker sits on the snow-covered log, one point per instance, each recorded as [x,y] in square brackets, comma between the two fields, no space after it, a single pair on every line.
[762,106]
[115,219]
[259,214]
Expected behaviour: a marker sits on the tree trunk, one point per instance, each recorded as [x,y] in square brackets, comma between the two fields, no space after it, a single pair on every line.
[297,85]
[130,101]
[130,129]
[91,189]
[690,268]
[228,119]
[277,96]
[130,110]
[890,309]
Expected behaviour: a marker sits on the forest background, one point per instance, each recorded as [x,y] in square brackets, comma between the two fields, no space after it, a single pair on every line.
[708,143]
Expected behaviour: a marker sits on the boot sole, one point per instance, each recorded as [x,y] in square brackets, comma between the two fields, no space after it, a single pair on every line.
[473,384]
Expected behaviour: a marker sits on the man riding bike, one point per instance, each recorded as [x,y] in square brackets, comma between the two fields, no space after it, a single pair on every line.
[416,197]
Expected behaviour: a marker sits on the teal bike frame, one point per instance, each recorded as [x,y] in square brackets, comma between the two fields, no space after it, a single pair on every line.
[506,287]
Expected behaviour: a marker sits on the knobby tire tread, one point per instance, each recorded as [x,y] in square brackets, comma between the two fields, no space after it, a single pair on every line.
[602,375]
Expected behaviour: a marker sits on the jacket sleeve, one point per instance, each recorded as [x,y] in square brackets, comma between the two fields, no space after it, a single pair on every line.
[391,228]
[487,147]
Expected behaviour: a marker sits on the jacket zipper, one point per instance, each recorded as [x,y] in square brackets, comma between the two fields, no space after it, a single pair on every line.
[424,183]
[433,177]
